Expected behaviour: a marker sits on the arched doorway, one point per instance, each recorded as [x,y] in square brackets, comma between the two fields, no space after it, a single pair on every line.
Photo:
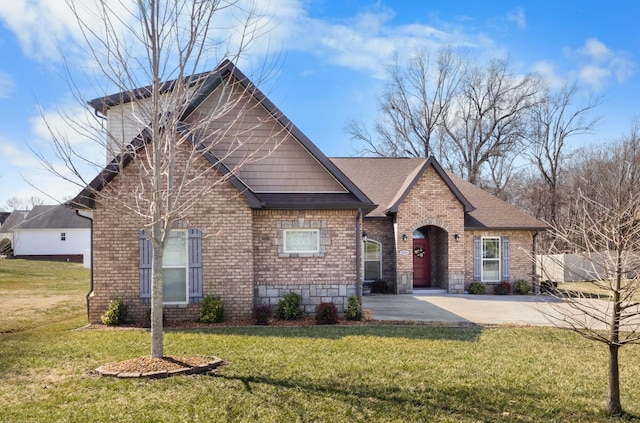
[422,258]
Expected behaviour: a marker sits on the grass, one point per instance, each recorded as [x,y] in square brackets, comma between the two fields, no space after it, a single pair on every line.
[320,373]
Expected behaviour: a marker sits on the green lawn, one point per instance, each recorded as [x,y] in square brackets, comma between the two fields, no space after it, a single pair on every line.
[307,374]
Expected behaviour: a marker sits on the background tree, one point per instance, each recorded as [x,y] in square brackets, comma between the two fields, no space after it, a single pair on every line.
[415,98]
[554,121]
[16,203]
[487,122]
[153,52]
[604,233]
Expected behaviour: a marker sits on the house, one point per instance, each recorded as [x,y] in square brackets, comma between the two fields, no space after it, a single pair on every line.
[15,217]
[292,219]
[52,233]
[432,229]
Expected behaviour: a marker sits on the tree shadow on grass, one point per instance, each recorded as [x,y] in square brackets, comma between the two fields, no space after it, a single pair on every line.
[422,332]
[457,402]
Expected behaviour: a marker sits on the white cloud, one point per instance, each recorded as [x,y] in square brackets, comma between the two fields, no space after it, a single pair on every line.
[6,85]
[17,156]
[548,72]
[594,76]
[599,64]
[596,50]
[518,17]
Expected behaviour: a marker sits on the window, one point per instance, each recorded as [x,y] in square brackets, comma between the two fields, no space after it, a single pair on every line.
[182,267]
[372,260]
[491,259]
[301,241]
[63,236]
[174,267]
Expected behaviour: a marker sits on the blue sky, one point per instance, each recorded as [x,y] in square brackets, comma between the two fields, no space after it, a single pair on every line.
[331,64]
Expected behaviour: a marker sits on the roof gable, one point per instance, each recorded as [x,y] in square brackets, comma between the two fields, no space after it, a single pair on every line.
[208,83]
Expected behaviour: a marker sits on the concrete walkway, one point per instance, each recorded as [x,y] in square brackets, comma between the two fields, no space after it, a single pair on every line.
[463,309]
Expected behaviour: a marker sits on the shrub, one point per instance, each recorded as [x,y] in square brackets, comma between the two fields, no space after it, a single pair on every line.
[261,314]
[327,314]
[476,288]
[211,309]
[289,307]
[503,288]
[380,287]
[521,287]
[116,314]
[5,247]
[353,311]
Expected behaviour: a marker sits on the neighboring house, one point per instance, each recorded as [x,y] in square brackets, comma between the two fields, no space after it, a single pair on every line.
[52,233]
[432,229]
[16,217]
[3,217]
[293,221]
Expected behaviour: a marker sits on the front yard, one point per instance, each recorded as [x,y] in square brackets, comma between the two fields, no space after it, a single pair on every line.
[317,373]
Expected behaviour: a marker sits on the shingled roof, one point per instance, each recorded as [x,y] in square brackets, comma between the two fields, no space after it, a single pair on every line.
[53,217]
[386,181]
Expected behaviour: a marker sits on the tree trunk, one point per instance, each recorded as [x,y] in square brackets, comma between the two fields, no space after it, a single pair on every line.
[614,407]
[157,342]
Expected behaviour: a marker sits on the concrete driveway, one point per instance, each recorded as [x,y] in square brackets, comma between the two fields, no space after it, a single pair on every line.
[464,309]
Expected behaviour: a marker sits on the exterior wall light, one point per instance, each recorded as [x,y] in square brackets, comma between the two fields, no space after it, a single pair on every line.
[364,236]
[404,237]
[456,237]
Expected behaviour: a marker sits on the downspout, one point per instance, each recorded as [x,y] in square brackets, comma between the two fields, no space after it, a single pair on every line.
[359,255]
[535,281]
[89,216]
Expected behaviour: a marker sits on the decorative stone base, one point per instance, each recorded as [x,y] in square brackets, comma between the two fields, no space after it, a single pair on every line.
[404,283]
[456,283]
[312,295]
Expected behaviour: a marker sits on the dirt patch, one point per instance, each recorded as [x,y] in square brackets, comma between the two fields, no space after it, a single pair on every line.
[15,304]
[148,367]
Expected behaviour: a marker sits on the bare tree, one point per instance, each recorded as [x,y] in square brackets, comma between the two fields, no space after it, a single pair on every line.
[16,203]
[554,122]
[487,121]
[411,107]
[152,53]
[604,236]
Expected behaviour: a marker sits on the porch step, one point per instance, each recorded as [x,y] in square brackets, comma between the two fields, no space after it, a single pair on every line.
[429,291]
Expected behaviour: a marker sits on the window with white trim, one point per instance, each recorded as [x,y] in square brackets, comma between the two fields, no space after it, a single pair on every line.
[301,241]
[175,268]
[491,259]
[372,260]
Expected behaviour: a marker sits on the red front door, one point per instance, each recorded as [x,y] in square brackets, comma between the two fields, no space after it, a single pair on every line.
[421,263]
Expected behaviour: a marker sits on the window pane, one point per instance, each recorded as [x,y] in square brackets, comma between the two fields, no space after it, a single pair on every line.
[491,270]
[371,250]
[302,241]
[372,270]
[175,251]
[174,285]
[491,248]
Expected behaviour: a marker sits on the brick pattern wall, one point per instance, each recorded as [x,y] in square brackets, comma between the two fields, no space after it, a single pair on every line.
[330,276]
[431,203]
[521,243]
[381,230]
[227,250]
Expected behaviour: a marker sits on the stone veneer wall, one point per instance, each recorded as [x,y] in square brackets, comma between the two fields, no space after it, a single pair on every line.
[326,277]
[520,242]
[227,252]
[431,203]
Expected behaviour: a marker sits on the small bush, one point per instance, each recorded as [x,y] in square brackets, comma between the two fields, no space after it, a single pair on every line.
[5,247]
[116,314]
[211,309]
[521,287]
[327,314]
[289,307]
[353,311]
[380,287]
[476,288]
[503,288]
[261,314]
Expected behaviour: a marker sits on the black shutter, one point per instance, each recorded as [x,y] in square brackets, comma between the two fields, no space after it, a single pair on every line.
[195,265]
[146,256]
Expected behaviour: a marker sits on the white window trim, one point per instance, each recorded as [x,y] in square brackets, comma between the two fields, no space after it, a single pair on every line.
[499,258]
[364,259]
[186,268]
[287,251]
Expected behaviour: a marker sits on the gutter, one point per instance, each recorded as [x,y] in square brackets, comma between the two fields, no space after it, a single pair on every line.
[89,216]
[534,280]
[359,256]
